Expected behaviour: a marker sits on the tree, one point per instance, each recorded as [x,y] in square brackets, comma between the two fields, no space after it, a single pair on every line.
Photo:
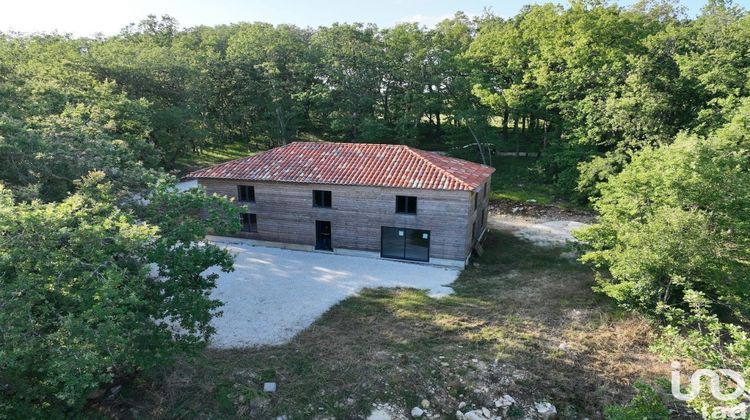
[674,235]
[350,74]
[90,293]
[274,62]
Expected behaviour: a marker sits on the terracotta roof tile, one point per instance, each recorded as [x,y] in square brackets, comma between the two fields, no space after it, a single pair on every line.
[385,165]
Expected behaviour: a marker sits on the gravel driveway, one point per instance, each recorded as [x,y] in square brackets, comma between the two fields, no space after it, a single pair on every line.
[275,293]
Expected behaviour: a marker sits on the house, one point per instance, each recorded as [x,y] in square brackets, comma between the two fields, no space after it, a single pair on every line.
[393,200]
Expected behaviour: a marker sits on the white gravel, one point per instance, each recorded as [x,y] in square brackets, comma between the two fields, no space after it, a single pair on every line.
[552,233]
[275,293]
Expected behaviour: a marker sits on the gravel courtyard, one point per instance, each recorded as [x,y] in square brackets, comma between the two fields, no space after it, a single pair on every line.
[275,293]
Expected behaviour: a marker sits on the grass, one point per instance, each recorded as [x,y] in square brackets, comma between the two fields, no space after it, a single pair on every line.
[213,155]
[523,321]
[515,178]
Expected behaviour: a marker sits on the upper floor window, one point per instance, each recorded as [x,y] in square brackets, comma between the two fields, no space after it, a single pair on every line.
[406,204]
[249,222]
[245,193]
[321,198]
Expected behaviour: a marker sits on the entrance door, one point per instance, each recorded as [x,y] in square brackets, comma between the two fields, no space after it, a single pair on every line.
[405,244]
[323,235]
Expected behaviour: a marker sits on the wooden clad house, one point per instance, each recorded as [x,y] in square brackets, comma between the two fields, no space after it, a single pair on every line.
[400,202]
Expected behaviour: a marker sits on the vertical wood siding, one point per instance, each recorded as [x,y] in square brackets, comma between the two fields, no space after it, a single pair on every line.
[286,214]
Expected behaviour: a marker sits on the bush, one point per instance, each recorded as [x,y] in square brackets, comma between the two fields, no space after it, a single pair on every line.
[81,302]
[674,234]
[646,405]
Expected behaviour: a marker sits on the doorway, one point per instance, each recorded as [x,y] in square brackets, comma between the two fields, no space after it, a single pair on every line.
[323,235]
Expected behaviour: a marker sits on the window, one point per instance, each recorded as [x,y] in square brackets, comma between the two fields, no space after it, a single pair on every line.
[249,222]
[476,201]
[321,198]
[245,193]
[485,191]
[406,204]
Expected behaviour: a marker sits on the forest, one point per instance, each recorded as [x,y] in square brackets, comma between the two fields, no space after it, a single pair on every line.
[583,86]
[640,113]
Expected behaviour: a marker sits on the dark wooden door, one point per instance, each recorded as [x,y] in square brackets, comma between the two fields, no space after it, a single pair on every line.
[323,240]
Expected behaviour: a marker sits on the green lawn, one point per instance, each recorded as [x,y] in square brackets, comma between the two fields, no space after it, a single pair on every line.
[523,321]
[212,155]
[519,179]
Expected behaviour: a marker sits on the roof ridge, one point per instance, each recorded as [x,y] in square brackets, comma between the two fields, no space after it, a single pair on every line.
[442,170]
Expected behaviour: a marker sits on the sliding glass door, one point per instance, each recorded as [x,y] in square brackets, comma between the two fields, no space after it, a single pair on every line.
[405,244]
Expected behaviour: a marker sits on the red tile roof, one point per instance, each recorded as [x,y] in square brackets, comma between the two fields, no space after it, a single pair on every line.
[384,165]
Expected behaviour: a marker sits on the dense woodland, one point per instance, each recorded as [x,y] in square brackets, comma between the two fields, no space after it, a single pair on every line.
[584,85]
[641,111]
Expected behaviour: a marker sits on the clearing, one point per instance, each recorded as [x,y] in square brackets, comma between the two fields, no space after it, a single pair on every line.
[523,321]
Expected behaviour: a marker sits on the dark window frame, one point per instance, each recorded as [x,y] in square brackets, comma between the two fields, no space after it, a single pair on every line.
[245,194]
[249,222]
[406,204]
[322,199]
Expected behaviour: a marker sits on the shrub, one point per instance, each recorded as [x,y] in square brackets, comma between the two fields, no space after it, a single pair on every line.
[646,405]
[81,300]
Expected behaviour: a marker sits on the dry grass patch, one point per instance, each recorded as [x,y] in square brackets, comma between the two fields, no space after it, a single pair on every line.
[523,322]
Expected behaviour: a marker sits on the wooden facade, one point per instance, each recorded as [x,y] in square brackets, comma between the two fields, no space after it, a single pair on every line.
[285,213]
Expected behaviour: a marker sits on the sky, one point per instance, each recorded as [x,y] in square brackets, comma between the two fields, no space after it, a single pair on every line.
[89,17]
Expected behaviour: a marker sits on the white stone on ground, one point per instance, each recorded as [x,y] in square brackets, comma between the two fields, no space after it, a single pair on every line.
[269,387]
[545,409]
[273,293]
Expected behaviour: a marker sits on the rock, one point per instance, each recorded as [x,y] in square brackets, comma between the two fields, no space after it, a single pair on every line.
[416,412]
[545,409]
[425,404]
[516,209]
[461,405]
[269,387]
[459,415]
[474,415]
[505,401]
[350,401]
[379,414]
[486,412]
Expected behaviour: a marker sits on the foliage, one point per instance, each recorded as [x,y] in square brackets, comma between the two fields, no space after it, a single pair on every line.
[674,235]
[586,85]
[646,405]
[82,303]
